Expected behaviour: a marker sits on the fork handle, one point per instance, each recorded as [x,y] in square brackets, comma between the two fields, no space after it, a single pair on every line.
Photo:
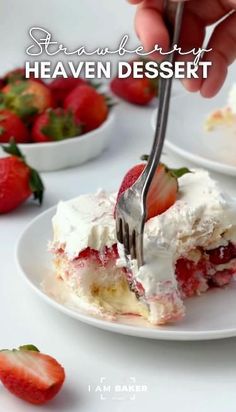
[163,111]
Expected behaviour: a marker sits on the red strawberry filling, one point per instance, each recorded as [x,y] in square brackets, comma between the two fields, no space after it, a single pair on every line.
[222,254]
[193,276]
[100,258]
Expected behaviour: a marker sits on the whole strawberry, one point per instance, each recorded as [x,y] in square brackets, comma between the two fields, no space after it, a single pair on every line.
[89,106]
[31,375]
[18,74]
[12,126]
[163,191]
[18,181]
[61,87]
[26,98]
[54,125]
[137,91]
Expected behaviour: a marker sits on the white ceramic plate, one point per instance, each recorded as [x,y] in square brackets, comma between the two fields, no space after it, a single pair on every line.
[47,157]
[186,136]
[210,316]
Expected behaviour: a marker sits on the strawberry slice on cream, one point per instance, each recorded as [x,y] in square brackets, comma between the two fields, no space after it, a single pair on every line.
[188,248]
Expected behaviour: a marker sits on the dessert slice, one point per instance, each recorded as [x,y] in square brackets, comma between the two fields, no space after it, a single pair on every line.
[189,248]
[225,116]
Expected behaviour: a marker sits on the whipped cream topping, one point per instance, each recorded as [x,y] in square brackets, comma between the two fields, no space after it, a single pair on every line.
[201,217]
[198,219]
[232,99]
[86,221]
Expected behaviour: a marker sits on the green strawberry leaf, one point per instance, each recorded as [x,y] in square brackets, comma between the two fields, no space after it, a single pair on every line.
[180,172]
[94,84]
[22,348]
[144,157]
[35,182]
[18,102]
[29,347]
[13,149]
[36,185]
[61,125]
[175,172]
[109,100]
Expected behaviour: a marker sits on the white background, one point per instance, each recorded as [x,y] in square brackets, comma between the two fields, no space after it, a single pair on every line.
[179,376]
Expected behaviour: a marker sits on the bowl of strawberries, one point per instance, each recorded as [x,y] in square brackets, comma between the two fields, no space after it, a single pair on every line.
[57,125]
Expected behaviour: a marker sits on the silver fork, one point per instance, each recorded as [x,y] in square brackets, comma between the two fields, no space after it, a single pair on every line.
[131,207]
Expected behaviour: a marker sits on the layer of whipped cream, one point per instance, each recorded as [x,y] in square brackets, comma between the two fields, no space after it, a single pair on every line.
[86,221]
[201,217]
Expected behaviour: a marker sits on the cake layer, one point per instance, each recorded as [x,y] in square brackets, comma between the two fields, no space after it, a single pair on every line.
[109,291]
[187,249]
[225,116]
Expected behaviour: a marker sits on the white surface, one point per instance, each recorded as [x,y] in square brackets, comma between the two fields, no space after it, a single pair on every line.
[51,156]
[186,135]
[210,316]
[180,376]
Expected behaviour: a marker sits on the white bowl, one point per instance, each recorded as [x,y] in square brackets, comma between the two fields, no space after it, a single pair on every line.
[47,157]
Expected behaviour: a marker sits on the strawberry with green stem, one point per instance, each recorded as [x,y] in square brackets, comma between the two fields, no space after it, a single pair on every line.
[163,191]
[140,91]
[26,98]
[89,107]
[55,125]
[17,74]
[18,181]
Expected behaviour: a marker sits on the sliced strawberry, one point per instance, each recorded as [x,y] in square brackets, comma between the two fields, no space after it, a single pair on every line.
[162,193]
[163,190]
[31,375]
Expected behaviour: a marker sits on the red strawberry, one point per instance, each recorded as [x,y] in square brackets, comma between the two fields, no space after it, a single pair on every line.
[18,74]
[18,181]
[2,83]
[163,190]
[103,258]
[26,98]
[137,91]
[222,254]
[61,87]
[189,275]
[12,126]
[54,125]
[31,375]
[221,278]
[90,107]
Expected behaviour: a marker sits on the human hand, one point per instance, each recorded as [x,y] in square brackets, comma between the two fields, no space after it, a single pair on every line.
[198,14]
